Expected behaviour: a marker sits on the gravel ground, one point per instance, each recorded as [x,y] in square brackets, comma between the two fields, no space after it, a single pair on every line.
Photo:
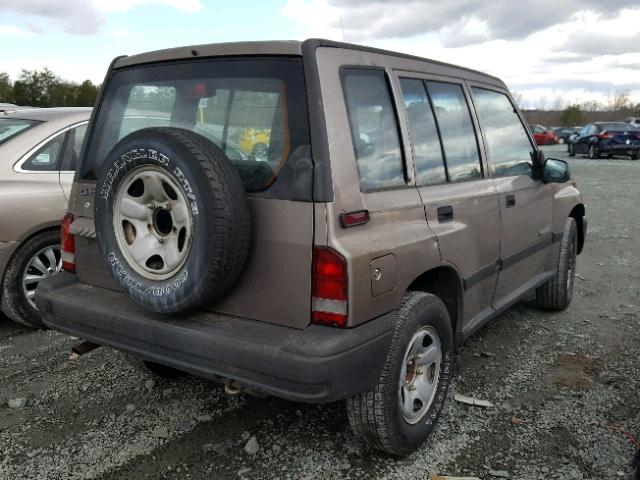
[563,385]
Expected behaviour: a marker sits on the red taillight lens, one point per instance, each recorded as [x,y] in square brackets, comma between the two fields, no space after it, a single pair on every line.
[329,288]
[68,245]
[605,135]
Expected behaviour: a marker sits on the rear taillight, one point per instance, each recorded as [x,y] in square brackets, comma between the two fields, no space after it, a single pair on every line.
[329,302]
[68,245]
[605,135]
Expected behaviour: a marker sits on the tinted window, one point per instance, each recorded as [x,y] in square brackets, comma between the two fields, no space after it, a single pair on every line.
[508,146]
[72,149]
[10,127]
[374,129]
[45,159]
[617,127]
[252,109]
[456,129]
[427,150]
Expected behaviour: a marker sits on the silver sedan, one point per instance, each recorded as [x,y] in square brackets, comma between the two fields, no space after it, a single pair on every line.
[39,149]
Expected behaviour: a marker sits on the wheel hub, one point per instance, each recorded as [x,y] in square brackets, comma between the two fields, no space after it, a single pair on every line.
[420,374]
[44,264]
[152,222]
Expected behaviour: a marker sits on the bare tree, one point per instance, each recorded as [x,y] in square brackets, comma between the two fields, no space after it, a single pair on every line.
[619,102]
[557,104]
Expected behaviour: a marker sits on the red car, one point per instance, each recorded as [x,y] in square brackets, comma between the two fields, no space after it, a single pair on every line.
[543,135]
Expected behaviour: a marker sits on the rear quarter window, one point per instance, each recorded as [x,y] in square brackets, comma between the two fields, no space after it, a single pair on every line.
[374,128]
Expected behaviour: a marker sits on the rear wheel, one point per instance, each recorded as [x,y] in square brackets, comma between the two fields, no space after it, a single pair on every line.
[35,260]
[594,153]
[556,294]
[400,411]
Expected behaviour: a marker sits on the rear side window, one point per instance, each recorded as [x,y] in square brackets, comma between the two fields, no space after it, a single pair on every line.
[428,159]
[507,142]
[73,147]
[254,109]
[374,128]
[456,128]
[46,158]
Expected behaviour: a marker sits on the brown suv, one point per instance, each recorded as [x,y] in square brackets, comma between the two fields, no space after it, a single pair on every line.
[316,220]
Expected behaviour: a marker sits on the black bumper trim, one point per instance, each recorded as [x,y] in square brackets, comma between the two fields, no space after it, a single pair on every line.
[317,364]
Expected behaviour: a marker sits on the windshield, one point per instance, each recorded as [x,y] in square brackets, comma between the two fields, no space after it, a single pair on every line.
[10,127]
[618,127]
[253,109]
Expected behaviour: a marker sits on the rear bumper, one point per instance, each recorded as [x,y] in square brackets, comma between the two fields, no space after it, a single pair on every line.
[317,364]
[621,149]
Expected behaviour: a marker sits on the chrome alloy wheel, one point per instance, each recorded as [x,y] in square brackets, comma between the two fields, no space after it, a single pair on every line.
[420,374]
[152,222]
[44,264]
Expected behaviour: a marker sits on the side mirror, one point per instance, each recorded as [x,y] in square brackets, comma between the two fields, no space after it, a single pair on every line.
[555,171]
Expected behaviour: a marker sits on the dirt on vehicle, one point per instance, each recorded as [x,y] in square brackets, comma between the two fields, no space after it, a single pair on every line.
[564,389]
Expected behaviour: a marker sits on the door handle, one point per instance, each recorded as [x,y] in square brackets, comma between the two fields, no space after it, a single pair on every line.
[511,201]
[445,214]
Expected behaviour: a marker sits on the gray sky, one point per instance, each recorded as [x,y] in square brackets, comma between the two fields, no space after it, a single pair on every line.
[575,50]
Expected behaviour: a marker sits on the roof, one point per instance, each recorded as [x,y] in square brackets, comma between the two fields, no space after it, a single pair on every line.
[47,114]
[274,47]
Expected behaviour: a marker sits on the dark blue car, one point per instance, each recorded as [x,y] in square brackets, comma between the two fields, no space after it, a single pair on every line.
[604,139]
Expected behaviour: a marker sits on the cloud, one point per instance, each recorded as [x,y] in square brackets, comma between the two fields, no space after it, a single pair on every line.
[84,16]
[459,22]
[597,86]
[593,43]
[13,30]
[565,58]
[72,16]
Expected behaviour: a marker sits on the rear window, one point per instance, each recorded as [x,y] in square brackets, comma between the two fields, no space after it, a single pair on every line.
[10,127]
[253,109]
[617,127]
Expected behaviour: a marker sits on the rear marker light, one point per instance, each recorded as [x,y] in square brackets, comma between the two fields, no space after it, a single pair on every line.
[329,302]
[352,219]
[67,245]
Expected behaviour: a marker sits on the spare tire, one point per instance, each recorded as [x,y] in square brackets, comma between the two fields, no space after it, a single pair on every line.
[172,219]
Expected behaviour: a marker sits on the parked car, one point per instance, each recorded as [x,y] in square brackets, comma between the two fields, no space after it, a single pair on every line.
[389,221]
[602,139]
[564,134]
[543,135]
[38,152]
[635,121]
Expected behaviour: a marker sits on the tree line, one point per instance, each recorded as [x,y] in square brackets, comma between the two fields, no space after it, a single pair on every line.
[43,88]
[617,107]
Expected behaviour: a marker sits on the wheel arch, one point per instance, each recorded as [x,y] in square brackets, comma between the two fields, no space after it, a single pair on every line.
[578,213]
[445,283]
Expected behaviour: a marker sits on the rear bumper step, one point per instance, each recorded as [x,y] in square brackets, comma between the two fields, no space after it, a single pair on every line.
[317,364]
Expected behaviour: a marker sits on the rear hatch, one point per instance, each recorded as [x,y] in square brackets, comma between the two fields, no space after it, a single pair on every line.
[254,109]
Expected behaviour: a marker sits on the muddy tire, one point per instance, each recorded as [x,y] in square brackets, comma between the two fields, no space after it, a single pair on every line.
[556,294]
[172,219]
[152,368]
[401,410]
[36,259]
